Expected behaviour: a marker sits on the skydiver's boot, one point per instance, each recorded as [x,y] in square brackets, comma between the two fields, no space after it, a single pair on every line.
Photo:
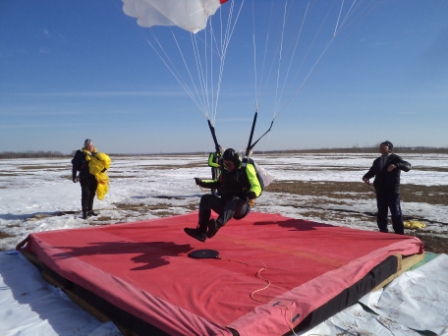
[198,233]
[213,227]
[91,213]
[84,214]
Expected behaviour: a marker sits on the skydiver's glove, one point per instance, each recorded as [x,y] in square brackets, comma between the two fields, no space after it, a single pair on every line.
[197,180]
[75,179]
[251,195]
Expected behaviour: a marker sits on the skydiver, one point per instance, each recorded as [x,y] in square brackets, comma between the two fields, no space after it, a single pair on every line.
[238,185]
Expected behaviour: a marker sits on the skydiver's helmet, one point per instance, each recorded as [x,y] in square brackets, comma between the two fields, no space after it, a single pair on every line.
[231,155]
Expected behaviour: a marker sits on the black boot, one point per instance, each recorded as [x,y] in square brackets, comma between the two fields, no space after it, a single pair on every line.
[213,227]
[84,215]
[196,234]
[91,213]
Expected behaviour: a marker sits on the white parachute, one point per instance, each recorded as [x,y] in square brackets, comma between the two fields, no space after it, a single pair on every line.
[191,38]
[191,15]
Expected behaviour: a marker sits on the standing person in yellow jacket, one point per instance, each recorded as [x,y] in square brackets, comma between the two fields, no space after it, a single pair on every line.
[87,180]
[238,185]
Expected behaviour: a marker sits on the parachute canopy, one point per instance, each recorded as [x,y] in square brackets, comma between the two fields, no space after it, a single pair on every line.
[190,15]
[98,166]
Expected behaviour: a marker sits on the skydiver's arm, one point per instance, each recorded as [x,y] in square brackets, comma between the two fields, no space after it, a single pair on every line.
[76,162]
[209,184]
[371,173]
[402,164]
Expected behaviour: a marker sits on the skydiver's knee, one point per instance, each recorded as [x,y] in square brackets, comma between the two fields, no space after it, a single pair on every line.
[205,198]
[241,211]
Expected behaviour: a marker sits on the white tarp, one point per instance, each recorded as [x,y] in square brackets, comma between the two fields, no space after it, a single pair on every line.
[357,321]
[415,301]
[31,306]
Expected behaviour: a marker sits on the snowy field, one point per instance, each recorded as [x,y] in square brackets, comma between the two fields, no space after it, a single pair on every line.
[38,195]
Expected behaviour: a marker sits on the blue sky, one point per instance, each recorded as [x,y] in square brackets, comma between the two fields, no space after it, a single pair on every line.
[71,70]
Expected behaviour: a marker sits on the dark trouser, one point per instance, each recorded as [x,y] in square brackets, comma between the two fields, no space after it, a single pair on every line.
[226,209]
[88,189]
[392,202]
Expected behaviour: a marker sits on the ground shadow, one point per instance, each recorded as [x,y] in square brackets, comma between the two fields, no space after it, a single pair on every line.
[148,254]
[295,224]
[168,197]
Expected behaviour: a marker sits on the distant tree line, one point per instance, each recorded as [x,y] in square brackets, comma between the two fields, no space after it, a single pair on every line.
[355,149]
[31,154]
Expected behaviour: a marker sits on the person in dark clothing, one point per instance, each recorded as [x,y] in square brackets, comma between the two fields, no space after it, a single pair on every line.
[238,185]
[386,170]
[88,181]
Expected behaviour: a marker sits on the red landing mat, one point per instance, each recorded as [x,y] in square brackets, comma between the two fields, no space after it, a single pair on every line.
[273,272]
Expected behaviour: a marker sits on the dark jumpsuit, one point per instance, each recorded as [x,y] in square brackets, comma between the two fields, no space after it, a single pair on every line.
[88,181]
[233,187]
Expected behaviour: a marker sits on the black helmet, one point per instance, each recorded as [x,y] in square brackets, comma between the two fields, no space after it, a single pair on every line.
[231,155]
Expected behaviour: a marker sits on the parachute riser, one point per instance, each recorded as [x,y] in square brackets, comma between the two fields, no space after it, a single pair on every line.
[212,131]
[252,130]
[250,145]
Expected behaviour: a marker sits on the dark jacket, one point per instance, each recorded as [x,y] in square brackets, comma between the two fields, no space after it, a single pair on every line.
[387,182]
[81,165]
[242,182]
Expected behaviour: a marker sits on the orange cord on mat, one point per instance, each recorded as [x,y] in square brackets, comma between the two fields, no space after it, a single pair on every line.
[264,268]
[258,275]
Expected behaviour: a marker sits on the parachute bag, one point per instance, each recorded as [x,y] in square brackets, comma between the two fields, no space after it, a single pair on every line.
[265,177]
[98,165]
[204,254]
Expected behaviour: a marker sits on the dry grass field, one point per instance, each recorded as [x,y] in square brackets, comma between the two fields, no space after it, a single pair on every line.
[340,191]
